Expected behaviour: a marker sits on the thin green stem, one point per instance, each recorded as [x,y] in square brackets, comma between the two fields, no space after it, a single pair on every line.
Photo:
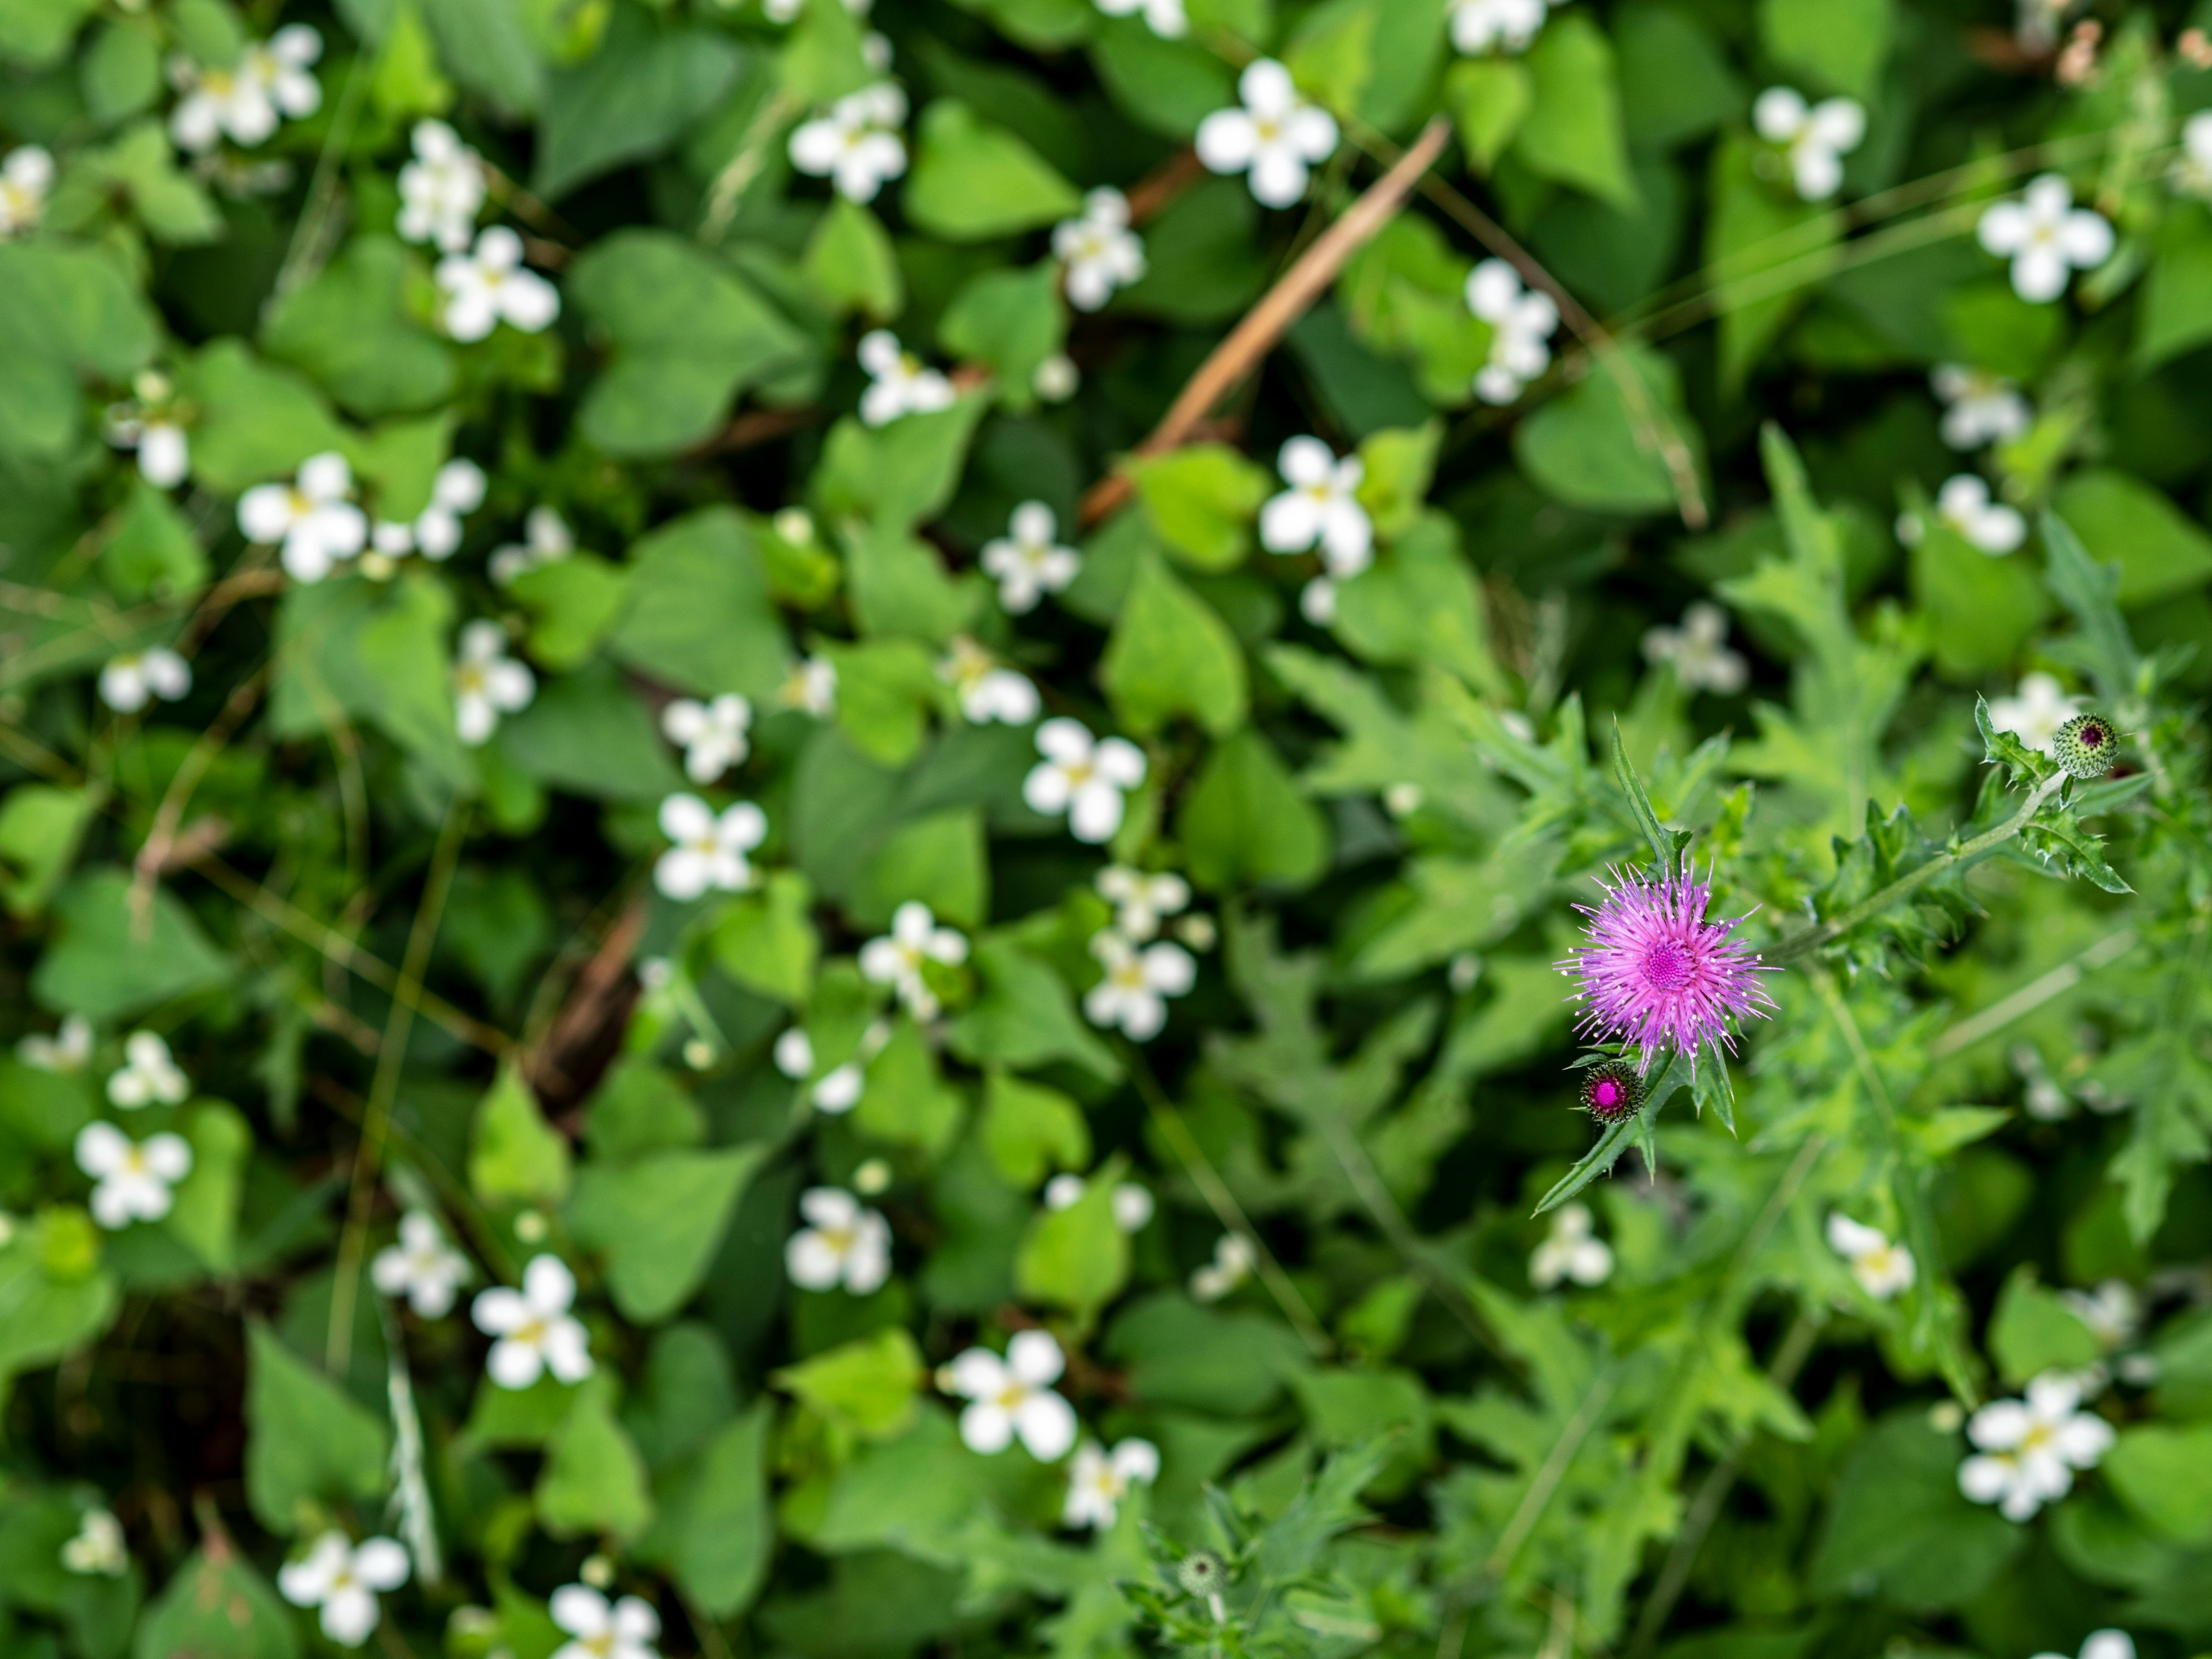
[1375,1194]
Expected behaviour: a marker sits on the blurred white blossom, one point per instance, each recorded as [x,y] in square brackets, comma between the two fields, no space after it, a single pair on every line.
[1140,901]
[1028,562]
[624,1629]
[341,1579]
[98,1550]
[487,683]
[534,1330]
[1083,776]
[68,1050]
[1522,323]
[132,1178]
[152,424]
[1275,137]
[1320,508]
[1099,1479]
[149,1076]
[1165,18]
[899,382]
[2035,712]
[1232,1264]
[422,1267]
[1963,505]
[1570,1250]
[1013,1396]
[2028,1450]
[986,692]
[1484,25]
[1099,250]
[1979,408]
[313,518]
[713,734]
[26,176]
[129,681]
[1884,1269]
[1814,137]
[441,191]
[899,957]
[2046,237]
[1699,651]
[844,1242]
[709,854]
[245,102]
[545,539]
[490,285]
[855,143]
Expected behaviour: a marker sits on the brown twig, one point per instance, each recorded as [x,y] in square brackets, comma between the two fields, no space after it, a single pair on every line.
[160,850]
[1266,324]
[563,1064]
[1150,196]
[761,425]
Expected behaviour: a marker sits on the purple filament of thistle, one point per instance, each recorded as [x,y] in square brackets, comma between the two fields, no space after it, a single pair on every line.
[1657,975]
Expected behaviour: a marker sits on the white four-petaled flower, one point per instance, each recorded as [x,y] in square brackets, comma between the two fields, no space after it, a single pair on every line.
[1027,561]
[1140,901]
[1482,25]
[2029,1448]
[98,1550]
[535,1331]
[1083,776]
[435,532]
[545,539]
[151,425]
[442,189]
[1884,1269]
[487,683]
[67,1050]
[899,382]
[1322,507]
[1964,504]
[844,1242]
[1165,18]
[313,517]
[1013,1396]
[129,681]
[148,1076]
[132,1178]
[987,692]
[25,177]
[714,734]
[2046,237]
[626,1629]
[811,687]
[422,1267]
[898,958]
[1979,408]
[2036,711]
[1099,1479]
[709,854]
[1276,137]
[245,102]
[1138,981]
[489,286]
[1232,1264]
[855,142]
[837,1089]
[1699,651]
[1571,1250]
[1814,137]
[1522,323]
[1099,250]
[341,1579]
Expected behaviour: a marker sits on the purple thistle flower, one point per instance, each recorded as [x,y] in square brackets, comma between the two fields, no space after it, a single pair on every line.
[1657,975]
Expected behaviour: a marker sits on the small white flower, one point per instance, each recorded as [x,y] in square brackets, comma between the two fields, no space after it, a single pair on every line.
[1481,26]
[855,143]
[1570,1250]
[1883,1270]
[713,734]
[245,103]
[1138,981]
[1056,379]
[839,1089]
[148,1074]
[1232,1264]
[1964,504]
[794,1054]
[897,959]
[845,1242]
[342,1578]
[534,1330]
[1027,561]
[2192,172]
[1699,650]
[98,1550]
[435,533]
[489,286]
[1320,508]
[626,1629]
[1317,602]
[811,687]
[2103,1645]
[133,680]
[67,1050]
[1276,136]
[25,177]
[1979,408]
[487,682]
[1816,137]
[987,691]
[313,517]
[150,425]
[442,190]
[422,1266]
[132,1177]
[1140,901]
[1013,1396]
[1099,250]
[2046,237]
[2113,1313]
[1522,323]
[709,854]
[1165,18]
[2029,1448]
[900,383]
[1083,777]
[1130,1203]
[1100,1480]
[545,539]
[2035,713]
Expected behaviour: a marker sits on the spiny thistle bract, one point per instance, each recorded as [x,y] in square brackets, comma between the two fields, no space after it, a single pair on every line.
[1612,1092]
[1656,974]
[2087,746]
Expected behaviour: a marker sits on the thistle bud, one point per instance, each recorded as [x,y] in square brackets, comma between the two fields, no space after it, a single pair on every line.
[2087,746]
[1612,1092]
[1200,1573]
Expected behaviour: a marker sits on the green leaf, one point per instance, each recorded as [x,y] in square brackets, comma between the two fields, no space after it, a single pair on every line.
[1983,609]
[38,32]
[1899,1525]
[1675,79]
[2122,520]
[1077,1258]
[886,690]
[377,652]
[1168,86]
[103,966]
[1024,1017]
[64,310]
[899,585]
[896,475]
[153,553]
[2088,590]
[1332,54]
[943,859]
[973,181]
[850,262]
[1666,853]
[1200,500]
[594,1481]
[255,421]
[588,733]
[717,1532]
[686,335]
[657,1222]
[515,1157]
[45,1316]
[306,1438]
[1842,45]
[907,1102]
[361,328]
[765,941]
[1244,822]
[486,46]
[574,604]
[869,1386]
[40,829]
[699,615]
[1489,99]
[140,169]
[1171,654]
[1012,321]
[629,101]
[1031,1130]
[216,1604]
[2034,1331]
[205,1213]
[1573,132]
[1589,449]
[2164,1474]
[1768,250]
[1420,603]
[641,1109]
[2175,314]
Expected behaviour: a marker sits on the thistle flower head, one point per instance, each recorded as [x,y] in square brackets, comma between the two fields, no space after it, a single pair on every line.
[1201,1572]
[2087,746]
[1659,977]
[1612,1092]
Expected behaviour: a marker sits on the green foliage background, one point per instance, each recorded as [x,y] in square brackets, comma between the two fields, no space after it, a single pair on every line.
[402,971]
